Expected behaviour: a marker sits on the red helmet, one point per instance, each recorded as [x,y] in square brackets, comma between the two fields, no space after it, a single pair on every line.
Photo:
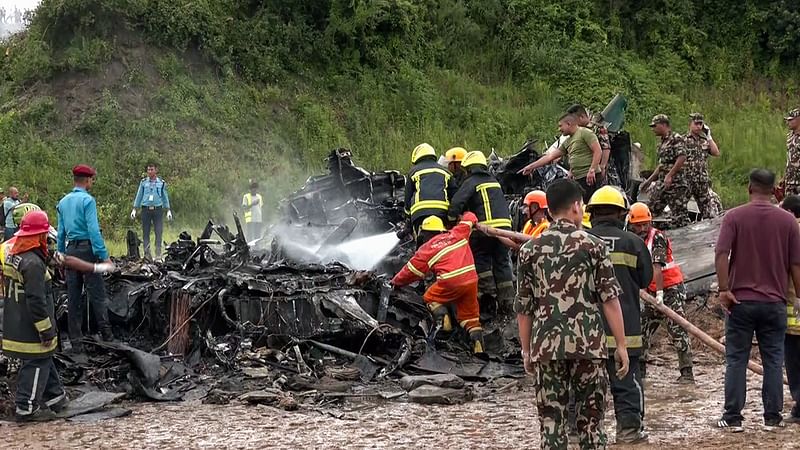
[538,197]
[35,222]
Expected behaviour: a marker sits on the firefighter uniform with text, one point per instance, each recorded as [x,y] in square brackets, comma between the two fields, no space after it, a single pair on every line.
[429,187]
[633,270]
[481,194]
[29,326]
[448,256]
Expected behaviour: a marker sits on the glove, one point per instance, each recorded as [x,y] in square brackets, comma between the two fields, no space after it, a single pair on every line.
[58,257]
[104,267]
[133,214]
[169,215]
[707,131]
[660,297]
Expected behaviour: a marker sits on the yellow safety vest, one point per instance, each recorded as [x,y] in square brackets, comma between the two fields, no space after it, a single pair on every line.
[247,202]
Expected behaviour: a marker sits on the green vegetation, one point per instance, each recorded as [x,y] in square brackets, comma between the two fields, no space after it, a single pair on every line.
[221,91]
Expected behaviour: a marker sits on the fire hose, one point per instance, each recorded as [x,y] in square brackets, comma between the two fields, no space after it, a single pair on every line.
[660,307]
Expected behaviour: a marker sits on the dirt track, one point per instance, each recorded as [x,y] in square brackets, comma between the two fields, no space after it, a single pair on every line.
[677,417]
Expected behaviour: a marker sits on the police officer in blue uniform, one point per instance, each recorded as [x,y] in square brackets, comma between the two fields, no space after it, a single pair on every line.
[79,236]
[152,197]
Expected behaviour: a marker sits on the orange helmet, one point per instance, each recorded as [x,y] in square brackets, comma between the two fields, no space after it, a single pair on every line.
[538,197]
[639,213]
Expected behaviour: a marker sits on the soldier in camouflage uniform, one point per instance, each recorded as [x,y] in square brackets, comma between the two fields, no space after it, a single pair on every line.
[715,204]
[565,277]
[667,287]
[699,145]
[791,178]
[668,179]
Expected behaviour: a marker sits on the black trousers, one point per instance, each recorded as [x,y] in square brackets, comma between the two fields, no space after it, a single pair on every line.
[492,262]
[95,290]
[588,189]
[628,395]
[38,385]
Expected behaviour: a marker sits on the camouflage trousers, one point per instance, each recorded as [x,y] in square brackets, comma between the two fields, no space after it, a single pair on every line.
[675,197]
[554,381]
[700,189]
[612,177]
[674,299]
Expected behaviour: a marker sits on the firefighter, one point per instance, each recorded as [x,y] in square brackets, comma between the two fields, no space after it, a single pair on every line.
[429,188]
[536,203]
[480,193]
[252,202]
[29,327]
[667,287]
[448,256]
[633,270]
[453,157]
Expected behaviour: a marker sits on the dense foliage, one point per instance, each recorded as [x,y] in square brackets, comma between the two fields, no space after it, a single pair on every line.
[224,90]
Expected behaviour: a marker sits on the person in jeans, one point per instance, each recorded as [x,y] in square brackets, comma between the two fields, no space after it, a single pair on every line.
[79,236]
[152,197]
[758,245]
[791,345]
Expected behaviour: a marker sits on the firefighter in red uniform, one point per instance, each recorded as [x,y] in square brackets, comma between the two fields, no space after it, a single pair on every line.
[536,202]
[668,288]
[448,256]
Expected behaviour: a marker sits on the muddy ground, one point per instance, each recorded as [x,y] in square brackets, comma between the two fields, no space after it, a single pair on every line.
[677,417]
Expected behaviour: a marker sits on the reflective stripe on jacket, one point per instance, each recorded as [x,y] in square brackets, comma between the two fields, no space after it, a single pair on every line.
[429,188]
[28,315]
[671,272]
[481,194]
[447,255]
[633,269]
[247,204]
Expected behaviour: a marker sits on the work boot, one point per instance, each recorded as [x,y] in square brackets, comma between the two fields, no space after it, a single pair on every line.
[442,318]
[60,405]
[40,415]
[478,346]
[631,436]
[687,376]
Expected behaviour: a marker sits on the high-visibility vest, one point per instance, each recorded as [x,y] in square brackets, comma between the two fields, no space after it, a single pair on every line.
[247,202]
[535,230]
[671,272]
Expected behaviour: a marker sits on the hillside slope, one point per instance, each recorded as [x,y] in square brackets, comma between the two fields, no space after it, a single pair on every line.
[222,92]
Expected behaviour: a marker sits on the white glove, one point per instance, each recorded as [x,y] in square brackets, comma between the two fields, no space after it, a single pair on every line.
[660,297]
[104,267]
[169,215]
[58,257]
[133,214]
[707,130]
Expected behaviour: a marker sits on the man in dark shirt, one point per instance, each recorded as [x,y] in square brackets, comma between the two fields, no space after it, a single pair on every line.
[758,245]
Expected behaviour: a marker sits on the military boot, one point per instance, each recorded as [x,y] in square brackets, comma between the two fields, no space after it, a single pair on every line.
[441,316]
[687,376]
[478,346]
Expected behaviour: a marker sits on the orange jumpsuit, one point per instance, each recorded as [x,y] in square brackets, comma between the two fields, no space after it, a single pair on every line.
[449,257]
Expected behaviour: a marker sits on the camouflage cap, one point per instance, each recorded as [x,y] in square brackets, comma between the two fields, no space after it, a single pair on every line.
[793,114]
[696,117]
[659,118]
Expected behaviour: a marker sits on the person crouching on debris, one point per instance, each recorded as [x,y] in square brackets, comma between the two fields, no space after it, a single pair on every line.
[668,288]
[448,256]
[565,279]
[29,326]
[634,271]
[429,188]
[536,202]
[481,194]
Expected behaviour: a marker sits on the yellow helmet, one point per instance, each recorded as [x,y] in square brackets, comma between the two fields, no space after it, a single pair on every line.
[432,223]
[607,196]
[421,150]
[474,157]
[455,154]
[587,218]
